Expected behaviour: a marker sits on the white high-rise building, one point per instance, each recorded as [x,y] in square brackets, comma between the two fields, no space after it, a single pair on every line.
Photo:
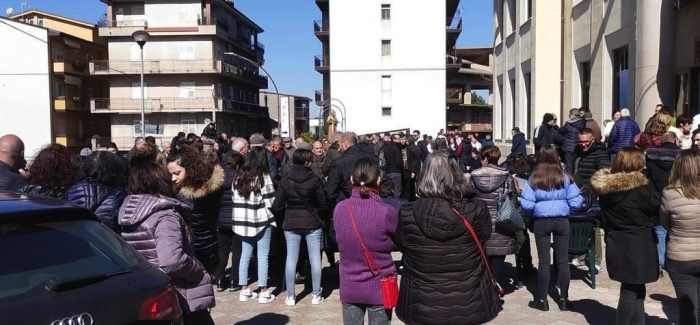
[384,63]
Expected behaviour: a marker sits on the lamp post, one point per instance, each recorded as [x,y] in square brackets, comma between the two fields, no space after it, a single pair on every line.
[277,93]
[141,37]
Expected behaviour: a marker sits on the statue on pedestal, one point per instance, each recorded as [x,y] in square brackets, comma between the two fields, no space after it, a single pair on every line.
[332,124]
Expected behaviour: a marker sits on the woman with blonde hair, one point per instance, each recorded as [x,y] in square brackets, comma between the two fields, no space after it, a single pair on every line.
[653,131]
[628,204]
[680,214]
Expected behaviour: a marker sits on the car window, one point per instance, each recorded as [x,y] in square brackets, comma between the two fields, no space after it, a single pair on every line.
[36,253]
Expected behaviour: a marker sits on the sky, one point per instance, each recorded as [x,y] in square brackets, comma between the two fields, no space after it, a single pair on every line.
[289,40]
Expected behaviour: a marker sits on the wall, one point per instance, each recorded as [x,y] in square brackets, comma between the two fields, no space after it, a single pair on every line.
[172,13]
[158,86]
[160,48]
[416,65]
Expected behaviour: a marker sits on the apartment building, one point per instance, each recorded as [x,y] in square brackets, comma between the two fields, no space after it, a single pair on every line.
[294,110]
[467,113]
[603,55]
[64,117]
[388,72]
[190,78]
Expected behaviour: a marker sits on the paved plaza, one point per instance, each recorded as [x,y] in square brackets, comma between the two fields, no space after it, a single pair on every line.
[590,306]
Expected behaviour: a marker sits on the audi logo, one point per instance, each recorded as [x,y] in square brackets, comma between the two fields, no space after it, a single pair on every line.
[82,319]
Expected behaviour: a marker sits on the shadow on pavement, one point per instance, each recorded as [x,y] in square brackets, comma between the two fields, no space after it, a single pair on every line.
[669,305]
[597,313]
[267,319]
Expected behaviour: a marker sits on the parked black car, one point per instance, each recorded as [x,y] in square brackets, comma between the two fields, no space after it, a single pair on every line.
[59,265]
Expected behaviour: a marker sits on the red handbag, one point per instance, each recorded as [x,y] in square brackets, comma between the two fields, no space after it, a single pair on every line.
[497,286]
[389,283]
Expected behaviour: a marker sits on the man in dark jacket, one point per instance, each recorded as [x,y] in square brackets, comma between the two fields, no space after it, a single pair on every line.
[394,163]
[546,133]
[569,133]
[414,165]
[659,163]
[139,142]
[338,186]
[463,152]
[591,156]
[519,146]
[11,161]
[623,132]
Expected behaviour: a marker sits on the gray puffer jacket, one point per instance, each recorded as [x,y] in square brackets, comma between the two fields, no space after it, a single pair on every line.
[490,183]
[155,227]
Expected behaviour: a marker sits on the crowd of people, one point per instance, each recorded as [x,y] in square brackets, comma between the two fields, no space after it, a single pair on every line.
[195,203]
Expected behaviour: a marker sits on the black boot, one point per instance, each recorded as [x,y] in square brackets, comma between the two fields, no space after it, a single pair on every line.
[565,304]
[542,305]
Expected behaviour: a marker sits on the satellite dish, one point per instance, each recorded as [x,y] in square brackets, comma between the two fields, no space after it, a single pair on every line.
[9,11]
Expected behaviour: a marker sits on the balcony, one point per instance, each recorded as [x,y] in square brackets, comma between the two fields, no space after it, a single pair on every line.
[123,27]
[454,95]
[321,30]
[322,4]
[70,103]
[452,6]
[238,69]
[65,66]
[321,96]
[322,63]
[155,105]
[454,28]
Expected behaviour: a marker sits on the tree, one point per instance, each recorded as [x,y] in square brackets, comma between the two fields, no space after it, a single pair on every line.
[478,100]
[309,137]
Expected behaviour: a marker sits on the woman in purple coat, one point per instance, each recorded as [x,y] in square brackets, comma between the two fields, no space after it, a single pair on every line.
[376,222]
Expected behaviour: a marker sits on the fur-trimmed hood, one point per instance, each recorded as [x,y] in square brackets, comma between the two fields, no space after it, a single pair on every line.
[605,182]
[212,185]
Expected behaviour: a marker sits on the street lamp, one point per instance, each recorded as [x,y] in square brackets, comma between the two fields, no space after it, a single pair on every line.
[277,93]
[141,37]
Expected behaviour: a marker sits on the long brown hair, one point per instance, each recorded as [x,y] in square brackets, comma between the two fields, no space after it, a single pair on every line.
[685,174]
[548,174]
[197,167]
[628,160]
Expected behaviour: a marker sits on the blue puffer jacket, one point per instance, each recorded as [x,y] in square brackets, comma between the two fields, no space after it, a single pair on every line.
[622,134]
[101,199]
[550,204]
[570,133]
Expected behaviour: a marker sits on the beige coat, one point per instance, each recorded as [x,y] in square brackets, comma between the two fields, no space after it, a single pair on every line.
[681,216]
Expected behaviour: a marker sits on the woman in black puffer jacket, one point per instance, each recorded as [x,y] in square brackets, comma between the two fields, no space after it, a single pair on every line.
[491,182]
[199,182]
[302,199]
[101,187]
[445,279]
[229,242]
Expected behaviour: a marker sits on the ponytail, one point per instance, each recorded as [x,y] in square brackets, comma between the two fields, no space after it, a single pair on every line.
[364,191]
[365,176]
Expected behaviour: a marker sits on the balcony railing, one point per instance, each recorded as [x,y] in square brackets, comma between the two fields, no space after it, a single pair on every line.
[454,24]
[321,26]
[155,105]
[321,96]
[128,23]
[321,62]
[99,67]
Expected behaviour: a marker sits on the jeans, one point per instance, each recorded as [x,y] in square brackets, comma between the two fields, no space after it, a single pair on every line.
[354,314]
[229,244]
[544,229]
[313,244]
[661,244]
[686,280]
[630,308]
[262,241]
[523,255]
[396,179]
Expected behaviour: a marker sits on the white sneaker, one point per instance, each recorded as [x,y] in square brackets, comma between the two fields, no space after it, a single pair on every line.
[577,263]
[315,300]
[246,295]
[266,297]
[598,267]
[290,301]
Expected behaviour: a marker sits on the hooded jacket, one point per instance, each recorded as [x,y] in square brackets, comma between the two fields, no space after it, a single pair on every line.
[302,199]
[490,183]
[553,203]
[54,192]
[546,134]
[659,163]
[155,226]
[444,276]
[101,199]
[570,132]
[205,202]
[628,204]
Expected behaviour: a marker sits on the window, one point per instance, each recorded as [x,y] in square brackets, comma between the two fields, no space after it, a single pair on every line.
[136,90]
[529,9]
[40,22]
[585,83]
[230,92]
[386,47]
[513,105]
[386,12]
[386,111]
[620,78]
[60,89]
[188,126]
[185,51]
[151,128]
[386,83]
[528,103]
[187,89]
